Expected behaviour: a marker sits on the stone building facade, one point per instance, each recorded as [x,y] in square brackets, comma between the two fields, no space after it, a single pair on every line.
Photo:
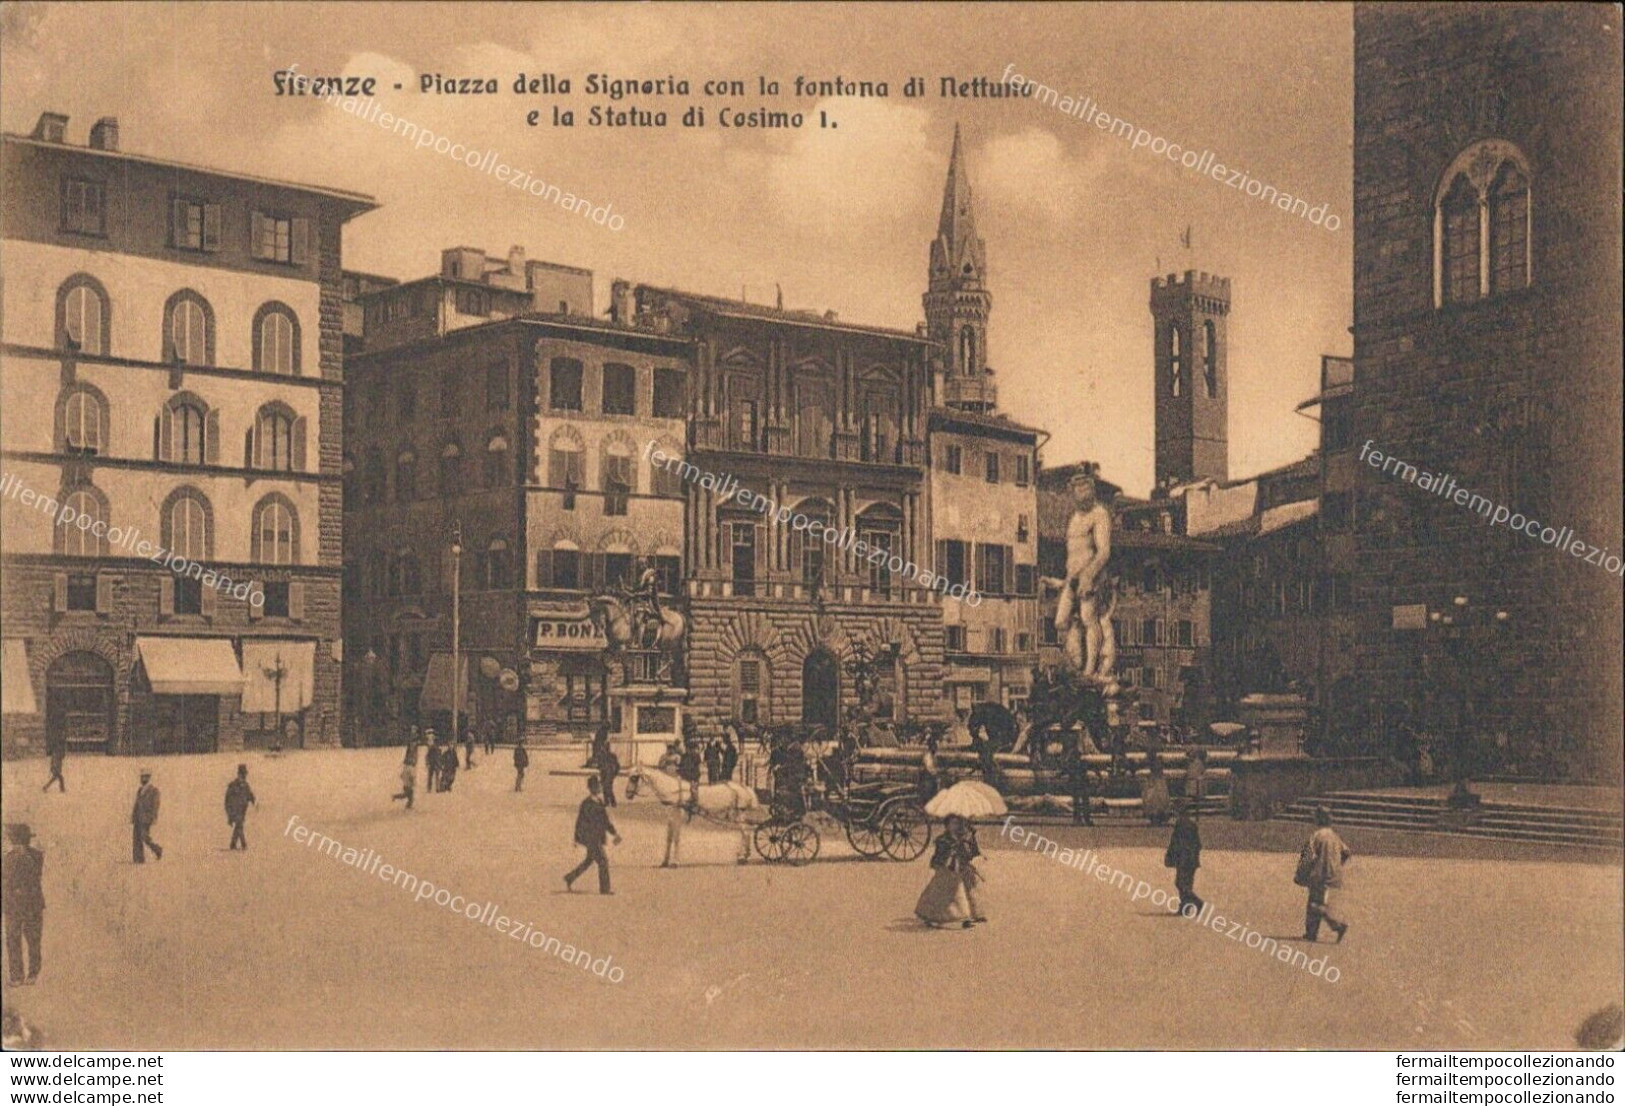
[173,372]
[1487,347]
[527,439]
[827,421]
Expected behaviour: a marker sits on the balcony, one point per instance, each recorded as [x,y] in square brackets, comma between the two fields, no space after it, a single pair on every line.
[977,392]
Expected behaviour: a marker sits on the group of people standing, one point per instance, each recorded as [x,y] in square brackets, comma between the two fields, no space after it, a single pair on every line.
[440,761]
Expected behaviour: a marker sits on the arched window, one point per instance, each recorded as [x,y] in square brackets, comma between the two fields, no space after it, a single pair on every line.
[752,675]
[275,539]
[1210,359]
[967,350]
[566,464]
[496,461]
[1461,242]
[615,474]
[81,420]
[1482,222]
[188,329]
[277,443]
[1509,230]
[186,431]
[74,537]
[406,475]
[1176,362]
[498,564]
[881,527]
[451,468]
[188,529]
[276,340]
[83,315]
[666,478]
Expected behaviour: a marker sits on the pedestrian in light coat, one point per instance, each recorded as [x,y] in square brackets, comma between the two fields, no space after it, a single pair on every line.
[1320,869]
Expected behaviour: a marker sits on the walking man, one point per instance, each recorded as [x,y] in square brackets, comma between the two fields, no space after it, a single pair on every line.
[409,776]
[490,738]
[239,797]
[431,762]
[143,817]
[468,746]
[609,766]
[1320,869]
[592,826]
[56,747]
[1184,856]
[521,761]
[713,761]
[24,905]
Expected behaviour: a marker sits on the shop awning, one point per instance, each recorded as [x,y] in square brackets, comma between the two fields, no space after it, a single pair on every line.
[17,690]
[262,659]
[190,665]
[437,684]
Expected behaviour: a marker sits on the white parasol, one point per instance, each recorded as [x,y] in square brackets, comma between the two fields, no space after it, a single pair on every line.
[968,799]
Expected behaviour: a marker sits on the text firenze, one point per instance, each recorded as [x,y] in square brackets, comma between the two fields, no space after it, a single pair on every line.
[729,491]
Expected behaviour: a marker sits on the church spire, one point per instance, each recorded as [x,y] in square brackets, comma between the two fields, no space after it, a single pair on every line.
[957,301]
[957,253]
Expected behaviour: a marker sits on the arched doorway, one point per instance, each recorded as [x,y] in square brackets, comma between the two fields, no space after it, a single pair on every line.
[79,702]
[820,688]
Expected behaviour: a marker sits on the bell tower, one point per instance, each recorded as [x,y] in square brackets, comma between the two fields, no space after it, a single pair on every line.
[957,301]
[1191,375]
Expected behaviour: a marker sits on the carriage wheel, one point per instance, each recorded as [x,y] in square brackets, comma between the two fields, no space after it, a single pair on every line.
[769,840]
[906,830]
[800,843]
[867,837]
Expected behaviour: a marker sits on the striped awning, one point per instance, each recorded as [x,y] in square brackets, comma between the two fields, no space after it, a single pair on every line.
[16,690]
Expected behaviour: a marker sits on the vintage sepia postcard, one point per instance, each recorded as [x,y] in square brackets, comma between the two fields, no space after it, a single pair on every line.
[817,526]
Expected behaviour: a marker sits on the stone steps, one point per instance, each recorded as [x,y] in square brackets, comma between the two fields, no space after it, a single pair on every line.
[1548,825]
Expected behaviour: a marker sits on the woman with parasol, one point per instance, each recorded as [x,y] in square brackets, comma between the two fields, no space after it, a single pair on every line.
[953,870]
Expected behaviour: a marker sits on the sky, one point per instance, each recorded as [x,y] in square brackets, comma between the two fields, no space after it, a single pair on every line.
[1076,221]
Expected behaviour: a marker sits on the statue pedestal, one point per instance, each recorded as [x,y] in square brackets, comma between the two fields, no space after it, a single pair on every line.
[1278,722]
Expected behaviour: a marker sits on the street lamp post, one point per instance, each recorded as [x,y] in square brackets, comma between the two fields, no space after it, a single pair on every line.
[1460,628]
[276,674]
[456,631]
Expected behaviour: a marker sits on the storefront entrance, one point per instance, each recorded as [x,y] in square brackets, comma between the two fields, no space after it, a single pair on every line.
[185,723]
[79,702]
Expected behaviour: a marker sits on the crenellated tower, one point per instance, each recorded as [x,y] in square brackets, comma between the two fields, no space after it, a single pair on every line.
[1191,346]
[957,301]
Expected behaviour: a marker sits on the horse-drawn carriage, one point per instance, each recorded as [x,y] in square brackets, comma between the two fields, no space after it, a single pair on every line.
[879,818]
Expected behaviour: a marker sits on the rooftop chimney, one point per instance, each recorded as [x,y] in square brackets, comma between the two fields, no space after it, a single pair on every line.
[51,127]
[104,135]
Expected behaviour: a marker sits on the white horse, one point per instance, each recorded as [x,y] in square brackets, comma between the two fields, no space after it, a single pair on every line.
[721,802]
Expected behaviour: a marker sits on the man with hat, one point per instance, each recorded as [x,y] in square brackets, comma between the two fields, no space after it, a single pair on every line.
[239,797]
[143,817]
[24,904]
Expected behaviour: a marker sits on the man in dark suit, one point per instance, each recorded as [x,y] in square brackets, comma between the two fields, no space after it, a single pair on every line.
[1077,774]
[24,905]
[592,827]
[56,747]
[730,755]
[688,770]
[143,817]
[239,797]
[713,761]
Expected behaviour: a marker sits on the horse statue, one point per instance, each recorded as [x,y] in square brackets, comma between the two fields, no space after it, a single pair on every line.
[724,803]
[610,612]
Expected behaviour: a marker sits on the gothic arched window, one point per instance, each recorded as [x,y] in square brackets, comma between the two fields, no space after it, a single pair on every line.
[275,537]
[967,350]
[276,340]
[189,329]
[1482,222]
